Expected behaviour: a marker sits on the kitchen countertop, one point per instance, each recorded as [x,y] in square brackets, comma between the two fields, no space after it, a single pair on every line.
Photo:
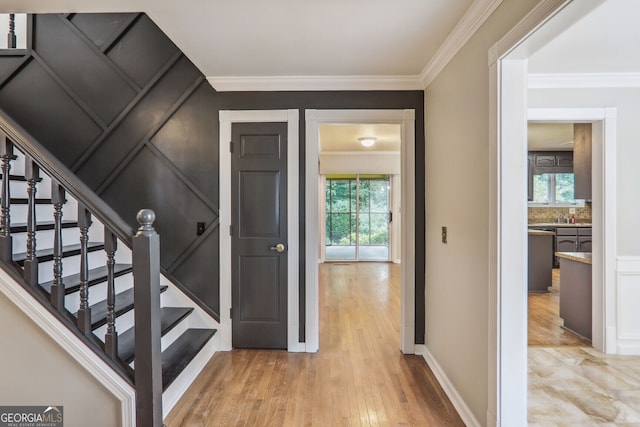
[560,224]
[583,257]
[541,233]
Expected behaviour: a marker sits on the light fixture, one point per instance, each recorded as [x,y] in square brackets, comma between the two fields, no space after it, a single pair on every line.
[367,141]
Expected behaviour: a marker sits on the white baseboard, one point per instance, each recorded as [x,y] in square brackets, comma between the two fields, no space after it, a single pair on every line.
[174,392]
[463,410]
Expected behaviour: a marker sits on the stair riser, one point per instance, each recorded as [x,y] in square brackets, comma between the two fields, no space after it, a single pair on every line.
[19,188]
[98,292]
[70,265]
[44,239]
[123,322]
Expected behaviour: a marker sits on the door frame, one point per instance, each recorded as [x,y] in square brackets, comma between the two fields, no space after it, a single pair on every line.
[406,118]
[227,118]
[509,113]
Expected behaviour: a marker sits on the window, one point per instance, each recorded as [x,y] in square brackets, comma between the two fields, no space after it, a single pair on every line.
[553,188]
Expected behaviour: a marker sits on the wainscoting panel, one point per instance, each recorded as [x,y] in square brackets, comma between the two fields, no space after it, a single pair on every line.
[627,298]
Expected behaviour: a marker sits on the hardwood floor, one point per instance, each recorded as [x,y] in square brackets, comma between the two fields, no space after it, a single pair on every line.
[358,378]
[545,324]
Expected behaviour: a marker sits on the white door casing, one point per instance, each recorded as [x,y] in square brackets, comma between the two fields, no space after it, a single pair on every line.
[406,118]
[227,118]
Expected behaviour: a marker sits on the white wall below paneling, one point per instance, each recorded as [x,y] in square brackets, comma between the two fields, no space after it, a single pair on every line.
[627,295]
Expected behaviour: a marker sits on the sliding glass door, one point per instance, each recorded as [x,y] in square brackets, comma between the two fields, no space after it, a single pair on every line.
[357,218]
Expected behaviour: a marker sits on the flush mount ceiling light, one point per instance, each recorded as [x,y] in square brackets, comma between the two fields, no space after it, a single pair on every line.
[367,141]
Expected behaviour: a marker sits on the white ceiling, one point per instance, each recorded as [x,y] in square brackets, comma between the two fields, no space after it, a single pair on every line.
[292,37]
[607,40]
[334,138]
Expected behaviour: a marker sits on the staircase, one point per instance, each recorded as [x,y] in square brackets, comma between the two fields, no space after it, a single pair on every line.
[63,243]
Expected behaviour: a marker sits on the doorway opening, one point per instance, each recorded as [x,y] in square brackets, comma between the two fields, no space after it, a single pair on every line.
[404,120]
[357,217]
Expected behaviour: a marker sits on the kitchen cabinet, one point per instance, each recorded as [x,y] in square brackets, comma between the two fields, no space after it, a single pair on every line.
[576,293]
[530,177]
[540,261]
[572,239]
[550,162]
[582,160]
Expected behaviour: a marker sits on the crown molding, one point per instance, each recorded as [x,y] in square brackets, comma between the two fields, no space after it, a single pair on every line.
[473,18]
[583,80]
[313,83]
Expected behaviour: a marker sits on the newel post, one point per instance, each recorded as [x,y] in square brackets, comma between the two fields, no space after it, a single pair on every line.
[148,362]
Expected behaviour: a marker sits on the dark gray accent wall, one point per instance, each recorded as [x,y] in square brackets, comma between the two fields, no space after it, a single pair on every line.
[113,98]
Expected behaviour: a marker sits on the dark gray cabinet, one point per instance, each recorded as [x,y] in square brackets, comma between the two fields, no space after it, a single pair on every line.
[572,239]
[582,160]
[541,162]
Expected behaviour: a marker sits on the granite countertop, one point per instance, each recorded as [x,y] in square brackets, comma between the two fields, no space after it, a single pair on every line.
[583,257]
[560,224]
[541,233]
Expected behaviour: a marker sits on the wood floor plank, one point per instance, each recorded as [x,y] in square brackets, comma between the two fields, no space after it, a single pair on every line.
[359,377]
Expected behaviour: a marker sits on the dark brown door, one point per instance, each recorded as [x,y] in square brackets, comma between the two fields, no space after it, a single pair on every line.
[259,235]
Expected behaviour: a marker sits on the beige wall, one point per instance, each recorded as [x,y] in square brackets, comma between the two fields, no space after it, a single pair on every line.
[457,176]
[34,370]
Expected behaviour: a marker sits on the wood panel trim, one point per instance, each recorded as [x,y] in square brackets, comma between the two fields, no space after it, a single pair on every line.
[194,245]
[70,93]
[146,139]
[125,112]
[119,33]
[25,61]
[105,58]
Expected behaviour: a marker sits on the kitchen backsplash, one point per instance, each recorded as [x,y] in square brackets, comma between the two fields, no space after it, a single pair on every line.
[538,215]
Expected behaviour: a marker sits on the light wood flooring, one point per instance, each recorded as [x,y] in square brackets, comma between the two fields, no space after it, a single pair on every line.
[358,378]
[545,324]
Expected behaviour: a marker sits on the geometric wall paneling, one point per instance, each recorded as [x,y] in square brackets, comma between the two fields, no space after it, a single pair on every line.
[142,64]
[105,99]
[115,100]
[200,270]
[186,139]
[147,182]
[40,105]
[141,122]
[102,29]
[9,64]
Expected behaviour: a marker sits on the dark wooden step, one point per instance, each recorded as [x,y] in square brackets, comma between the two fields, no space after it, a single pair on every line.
[169,317]
[96,276]
[22,178]
[47,225]
[24,201]
[44,255]
[124,303]
[178,355]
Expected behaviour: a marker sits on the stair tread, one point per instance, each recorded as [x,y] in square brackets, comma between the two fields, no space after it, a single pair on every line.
[180,353]
[22,178]
[24,201]
[45,225]
[96,276]
[124,303]
[169,317]
[68,250]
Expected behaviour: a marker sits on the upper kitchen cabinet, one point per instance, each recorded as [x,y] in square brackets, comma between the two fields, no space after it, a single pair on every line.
[582,160]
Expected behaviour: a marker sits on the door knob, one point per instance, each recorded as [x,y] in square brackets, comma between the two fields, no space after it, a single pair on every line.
[278,248]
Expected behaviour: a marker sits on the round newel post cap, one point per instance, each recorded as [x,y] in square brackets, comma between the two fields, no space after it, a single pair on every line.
[145,218]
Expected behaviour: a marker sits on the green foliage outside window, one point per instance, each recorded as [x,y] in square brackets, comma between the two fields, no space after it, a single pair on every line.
[341,219]
[553,188]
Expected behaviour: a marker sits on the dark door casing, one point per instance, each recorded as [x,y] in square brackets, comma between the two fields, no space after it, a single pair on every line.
[259,224]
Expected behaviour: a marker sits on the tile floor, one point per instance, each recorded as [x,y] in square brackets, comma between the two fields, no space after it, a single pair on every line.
[579,386]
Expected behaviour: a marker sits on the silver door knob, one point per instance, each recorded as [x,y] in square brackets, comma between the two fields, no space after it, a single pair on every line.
[278,248]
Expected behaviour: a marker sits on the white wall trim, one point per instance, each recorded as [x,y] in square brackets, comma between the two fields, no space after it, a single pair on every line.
[583,80]
[628,290]
[77,349]
[227,118]
[452,393]
[474,17]
[319,83]
[406,118]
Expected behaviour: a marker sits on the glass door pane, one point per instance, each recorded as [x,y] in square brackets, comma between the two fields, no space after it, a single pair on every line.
[340,219]
[374,220]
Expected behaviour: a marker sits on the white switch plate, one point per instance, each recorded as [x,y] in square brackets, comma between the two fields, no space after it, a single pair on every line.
[572,210]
